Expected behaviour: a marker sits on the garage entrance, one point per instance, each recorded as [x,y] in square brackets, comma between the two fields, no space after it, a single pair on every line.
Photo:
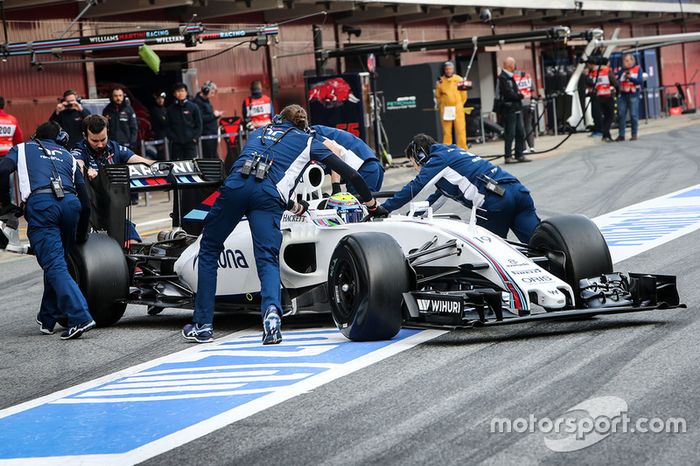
[140,84]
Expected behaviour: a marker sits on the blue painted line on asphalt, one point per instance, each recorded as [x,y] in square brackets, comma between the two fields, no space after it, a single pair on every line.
[643,226]
[690,193]
[134,408]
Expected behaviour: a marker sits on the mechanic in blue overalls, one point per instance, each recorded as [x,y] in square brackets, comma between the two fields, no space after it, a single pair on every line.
[260,186]
[355,153]
[57,212]
[96,151]
[504,203]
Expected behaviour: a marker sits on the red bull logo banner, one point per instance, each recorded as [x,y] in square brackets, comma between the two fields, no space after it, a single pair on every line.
[335,101]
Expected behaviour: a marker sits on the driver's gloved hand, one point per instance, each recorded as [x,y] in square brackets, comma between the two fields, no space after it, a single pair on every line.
[336,188]
[378,211]
[301,207]
[297,208]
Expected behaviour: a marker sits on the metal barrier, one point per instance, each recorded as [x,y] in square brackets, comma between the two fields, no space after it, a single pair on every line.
[219,136]
[165,143]
[157,143]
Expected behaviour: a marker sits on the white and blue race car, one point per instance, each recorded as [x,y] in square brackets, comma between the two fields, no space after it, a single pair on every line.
[373,276]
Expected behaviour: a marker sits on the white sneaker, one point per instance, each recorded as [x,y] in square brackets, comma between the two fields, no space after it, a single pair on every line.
[13,242]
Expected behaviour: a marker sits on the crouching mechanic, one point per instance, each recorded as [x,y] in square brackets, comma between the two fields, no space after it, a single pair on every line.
[472,181]
[259,186]
[57,213]
[354,152]
[97,150]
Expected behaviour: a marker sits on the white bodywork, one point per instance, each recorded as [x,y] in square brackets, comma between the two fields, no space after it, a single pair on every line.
[507,269]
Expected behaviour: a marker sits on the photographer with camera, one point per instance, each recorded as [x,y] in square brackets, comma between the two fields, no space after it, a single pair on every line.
[601,82]
[69,115]
[630,79]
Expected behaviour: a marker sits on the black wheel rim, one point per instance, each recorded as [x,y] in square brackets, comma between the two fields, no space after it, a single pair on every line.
[346,285]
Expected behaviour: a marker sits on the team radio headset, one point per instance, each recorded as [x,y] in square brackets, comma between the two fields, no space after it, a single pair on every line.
[417,153]
[257,165]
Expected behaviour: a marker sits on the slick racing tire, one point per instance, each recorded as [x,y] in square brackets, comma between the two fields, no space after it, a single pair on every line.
[367,276]
[585,250]
[99,267]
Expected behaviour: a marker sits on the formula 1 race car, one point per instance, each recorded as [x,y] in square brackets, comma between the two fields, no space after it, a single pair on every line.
[373,276]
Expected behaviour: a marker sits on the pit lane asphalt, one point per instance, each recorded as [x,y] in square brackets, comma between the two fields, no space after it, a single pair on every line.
[434,403]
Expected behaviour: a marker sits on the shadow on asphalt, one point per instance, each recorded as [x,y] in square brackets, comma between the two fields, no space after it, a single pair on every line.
[175,318]
[553,329]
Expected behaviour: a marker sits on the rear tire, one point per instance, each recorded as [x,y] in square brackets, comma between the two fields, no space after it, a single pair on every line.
[367,276]
[99,267]
[587,254]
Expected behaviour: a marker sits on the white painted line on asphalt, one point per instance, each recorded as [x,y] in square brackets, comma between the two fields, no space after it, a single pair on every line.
[224,371]
[640,227]
[154,222]
[174,383]
[202,378]
[160,389]
[214,375]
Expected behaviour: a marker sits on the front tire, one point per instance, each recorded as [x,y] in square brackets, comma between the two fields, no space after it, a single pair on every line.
[367,277]
[585,250]
[99,267]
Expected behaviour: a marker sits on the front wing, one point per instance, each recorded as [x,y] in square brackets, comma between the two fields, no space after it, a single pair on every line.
[609,294]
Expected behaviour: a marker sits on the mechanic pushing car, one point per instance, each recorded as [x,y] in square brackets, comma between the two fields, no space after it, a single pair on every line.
[57,207]
[260,186]
[471,180]
[354,152]
[97,150]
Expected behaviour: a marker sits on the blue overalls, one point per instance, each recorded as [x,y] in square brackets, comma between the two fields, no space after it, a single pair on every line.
[462,176]
[263,202]
[114,153]
[52,224]
[358,155]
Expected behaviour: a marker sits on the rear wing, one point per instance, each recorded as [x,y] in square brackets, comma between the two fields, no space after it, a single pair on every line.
[181,174]
[190,180]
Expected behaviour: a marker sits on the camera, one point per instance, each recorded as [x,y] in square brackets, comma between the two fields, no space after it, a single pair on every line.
[485,15]
[598,60]
[68,105]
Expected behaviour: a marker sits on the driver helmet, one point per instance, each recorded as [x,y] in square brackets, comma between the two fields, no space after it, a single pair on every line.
[348,207]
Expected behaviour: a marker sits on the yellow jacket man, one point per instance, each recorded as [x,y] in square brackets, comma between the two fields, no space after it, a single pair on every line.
[451,105]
